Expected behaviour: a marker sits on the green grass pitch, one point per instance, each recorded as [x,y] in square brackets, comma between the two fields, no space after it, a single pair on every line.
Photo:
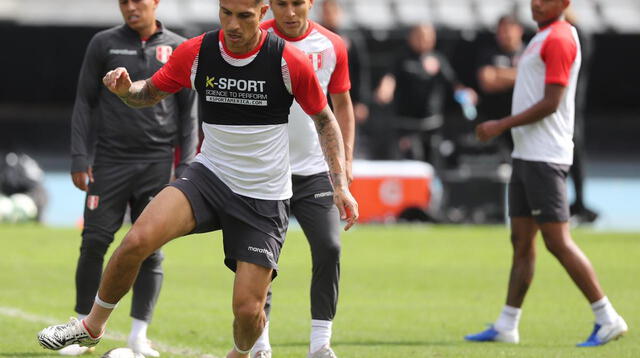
[406,291]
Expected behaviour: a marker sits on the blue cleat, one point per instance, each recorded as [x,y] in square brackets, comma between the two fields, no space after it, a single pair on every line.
[492,335]
[603,334]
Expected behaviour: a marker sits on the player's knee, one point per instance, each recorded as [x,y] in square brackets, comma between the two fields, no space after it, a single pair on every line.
[523,248]
[95,241]
[247,309]
[328,250]
[93,247]
[136,243]
[556,246]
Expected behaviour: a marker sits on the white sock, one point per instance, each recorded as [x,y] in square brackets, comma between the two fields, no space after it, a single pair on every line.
[81,316]
[320,334]
[263,344]
[509,319]
[138,329]
[604,311]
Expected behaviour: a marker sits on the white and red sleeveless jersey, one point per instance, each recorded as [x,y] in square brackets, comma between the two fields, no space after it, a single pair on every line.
[247,151]
[328,54]
[552,57]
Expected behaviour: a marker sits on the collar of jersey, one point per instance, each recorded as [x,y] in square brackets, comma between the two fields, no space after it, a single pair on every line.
[263,37]
[135,34]
[294,39]
[551,24]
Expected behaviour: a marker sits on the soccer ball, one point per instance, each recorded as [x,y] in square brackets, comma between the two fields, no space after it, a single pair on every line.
[24,207]
[122,353]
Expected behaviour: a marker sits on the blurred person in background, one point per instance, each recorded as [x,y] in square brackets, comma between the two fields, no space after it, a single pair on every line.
[579,211]
[133,155]
[497,75]
[331,17]
[416,85]
[542,128]
[312,202]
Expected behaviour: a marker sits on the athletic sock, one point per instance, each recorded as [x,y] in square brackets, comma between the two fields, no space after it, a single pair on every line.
[263,344]
[604,311]
[320,334]
[81,316]
[509,319]
[138,329]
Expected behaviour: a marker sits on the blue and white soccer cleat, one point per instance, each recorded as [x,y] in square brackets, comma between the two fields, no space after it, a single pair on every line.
[492,335]
[605,333]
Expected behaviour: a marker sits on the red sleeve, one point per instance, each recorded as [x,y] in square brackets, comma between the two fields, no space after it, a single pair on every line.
[176,73]
[558,52]
[304,84]
[339,82]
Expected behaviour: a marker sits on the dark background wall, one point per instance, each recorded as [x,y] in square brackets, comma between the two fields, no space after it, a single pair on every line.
[39,66]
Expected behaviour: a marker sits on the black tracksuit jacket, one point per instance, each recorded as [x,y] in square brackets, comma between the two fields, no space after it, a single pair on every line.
[105,130]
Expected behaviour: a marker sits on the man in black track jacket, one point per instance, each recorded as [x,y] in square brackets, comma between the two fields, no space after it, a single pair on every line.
[133,154]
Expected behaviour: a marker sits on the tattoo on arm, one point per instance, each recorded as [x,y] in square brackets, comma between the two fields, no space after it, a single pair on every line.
[143,94]
[332,146]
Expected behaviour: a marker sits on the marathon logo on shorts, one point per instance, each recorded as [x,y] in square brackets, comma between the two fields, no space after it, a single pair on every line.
[316,60]
[235,91]
[260,251]
[92,202]
[322,195]
[163,53]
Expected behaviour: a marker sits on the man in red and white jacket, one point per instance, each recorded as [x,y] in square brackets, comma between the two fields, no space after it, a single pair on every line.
[311,202]
[542,127]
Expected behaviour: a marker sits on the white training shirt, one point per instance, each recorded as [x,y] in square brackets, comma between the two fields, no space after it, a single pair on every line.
[328,54]
[552,57]
[252,160]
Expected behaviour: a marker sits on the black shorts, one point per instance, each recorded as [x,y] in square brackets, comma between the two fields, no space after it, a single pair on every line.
[253,230]
[539,189]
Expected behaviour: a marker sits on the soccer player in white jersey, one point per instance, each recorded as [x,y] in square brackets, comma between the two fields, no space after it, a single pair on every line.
[542,127]
[311,202]
[246,80]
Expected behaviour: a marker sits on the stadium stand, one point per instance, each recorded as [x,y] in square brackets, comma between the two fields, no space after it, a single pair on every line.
[456,14]
[413,12]
[596,15]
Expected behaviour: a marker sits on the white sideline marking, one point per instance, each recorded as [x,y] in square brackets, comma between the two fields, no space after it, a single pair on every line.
[112,335]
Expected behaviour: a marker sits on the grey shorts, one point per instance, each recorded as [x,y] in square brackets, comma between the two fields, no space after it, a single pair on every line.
[539,190]
[253,230]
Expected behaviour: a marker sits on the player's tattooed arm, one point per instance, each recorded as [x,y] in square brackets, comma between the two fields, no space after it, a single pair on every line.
[332,145]
[143,94]
[333,149]
[137,94]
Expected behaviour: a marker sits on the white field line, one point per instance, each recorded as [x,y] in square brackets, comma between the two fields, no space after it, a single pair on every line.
[112,335]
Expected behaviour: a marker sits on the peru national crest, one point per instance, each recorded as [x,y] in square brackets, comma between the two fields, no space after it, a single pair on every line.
[163,53]
[92,202]
[316,60]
